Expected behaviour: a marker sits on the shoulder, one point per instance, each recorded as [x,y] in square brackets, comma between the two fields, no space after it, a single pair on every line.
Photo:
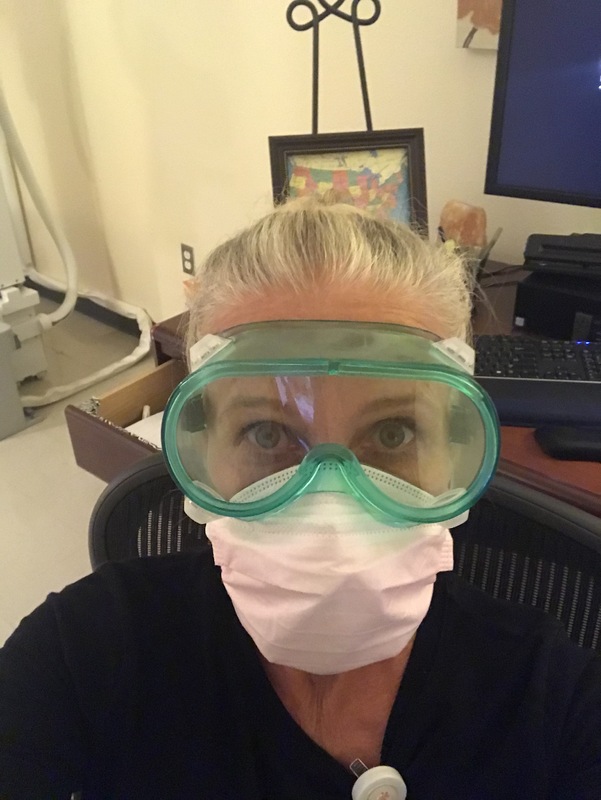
[509,635]
[101,610]
[490,616]
[510,680]
[144,579]
[515,650]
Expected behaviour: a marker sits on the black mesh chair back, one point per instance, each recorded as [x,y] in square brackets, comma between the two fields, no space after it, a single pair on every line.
[522,545]
[518,544]
[141,513]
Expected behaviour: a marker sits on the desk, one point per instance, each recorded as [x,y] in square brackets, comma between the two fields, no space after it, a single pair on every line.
[575,482]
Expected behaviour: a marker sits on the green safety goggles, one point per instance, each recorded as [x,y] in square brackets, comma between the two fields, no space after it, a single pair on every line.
[389,414]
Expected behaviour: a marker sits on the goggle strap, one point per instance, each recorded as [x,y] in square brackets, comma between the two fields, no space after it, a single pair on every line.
[459,351]
[206,348]
[198,514]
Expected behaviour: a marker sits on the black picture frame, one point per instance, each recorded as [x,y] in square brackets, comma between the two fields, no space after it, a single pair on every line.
[401,196]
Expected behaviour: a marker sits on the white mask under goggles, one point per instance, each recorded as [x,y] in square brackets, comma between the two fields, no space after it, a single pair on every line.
[390,415]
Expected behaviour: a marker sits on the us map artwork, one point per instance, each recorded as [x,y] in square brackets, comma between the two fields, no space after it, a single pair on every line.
[375,180]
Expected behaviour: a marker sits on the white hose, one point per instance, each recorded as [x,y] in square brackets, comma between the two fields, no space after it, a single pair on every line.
[64,248]
[125,310]
[66,307]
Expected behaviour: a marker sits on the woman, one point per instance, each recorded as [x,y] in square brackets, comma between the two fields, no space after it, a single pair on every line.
[329,433]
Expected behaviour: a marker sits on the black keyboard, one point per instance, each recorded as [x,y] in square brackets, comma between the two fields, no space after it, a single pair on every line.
[541,381]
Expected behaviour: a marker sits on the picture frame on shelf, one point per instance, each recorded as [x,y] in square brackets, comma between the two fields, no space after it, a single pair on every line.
[381,171]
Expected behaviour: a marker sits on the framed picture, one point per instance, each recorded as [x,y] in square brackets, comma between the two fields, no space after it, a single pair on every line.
[382,171]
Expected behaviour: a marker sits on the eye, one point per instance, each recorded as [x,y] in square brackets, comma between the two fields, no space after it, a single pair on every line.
[393,433]
[267,435]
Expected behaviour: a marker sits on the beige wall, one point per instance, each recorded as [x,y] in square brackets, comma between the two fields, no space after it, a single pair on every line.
[147,122]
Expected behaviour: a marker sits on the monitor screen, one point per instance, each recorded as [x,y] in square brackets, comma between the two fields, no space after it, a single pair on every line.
[545,141]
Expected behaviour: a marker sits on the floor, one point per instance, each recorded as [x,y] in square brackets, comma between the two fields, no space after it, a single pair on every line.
[45,498]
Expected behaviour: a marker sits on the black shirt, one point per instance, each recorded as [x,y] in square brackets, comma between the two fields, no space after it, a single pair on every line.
[139,682]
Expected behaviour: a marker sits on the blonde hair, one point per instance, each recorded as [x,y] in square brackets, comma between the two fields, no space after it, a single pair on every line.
[314,241]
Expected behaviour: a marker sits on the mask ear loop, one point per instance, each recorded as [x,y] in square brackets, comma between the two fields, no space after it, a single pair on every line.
[377,783]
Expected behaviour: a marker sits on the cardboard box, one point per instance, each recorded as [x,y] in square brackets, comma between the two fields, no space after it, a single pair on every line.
[100,443]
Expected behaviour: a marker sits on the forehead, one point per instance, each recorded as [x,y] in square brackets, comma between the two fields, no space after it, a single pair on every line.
[335,397]
[326,302]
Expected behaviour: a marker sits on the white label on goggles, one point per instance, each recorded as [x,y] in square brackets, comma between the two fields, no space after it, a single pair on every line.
[206,348]
[461,353]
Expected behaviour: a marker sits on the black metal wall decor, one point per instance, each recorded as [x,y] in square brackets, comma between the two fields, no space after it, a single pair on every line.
[381,171]
[317,17]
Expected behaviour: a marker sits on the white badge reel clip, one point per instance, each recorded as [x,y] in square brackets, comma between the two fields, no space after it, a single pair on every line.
[377,783]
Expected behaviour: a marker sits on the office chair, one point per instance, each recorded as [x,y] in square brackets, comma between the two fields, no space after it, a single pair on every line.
[522,545]
[518,544]
[141,513]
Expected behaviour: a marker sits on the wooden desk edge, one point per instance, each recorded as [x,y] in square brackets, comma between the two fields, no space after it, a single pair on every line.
[581,498]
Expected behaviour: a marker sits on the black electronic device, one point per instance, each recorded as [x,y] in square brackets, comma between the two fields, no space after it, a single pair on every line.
[533,381]
[558,306]
[570,444]
[546,121]
[578,254]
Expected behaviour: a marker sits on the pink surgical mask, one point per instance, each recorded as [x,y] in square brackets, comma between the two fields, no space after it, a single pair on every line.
[324,587]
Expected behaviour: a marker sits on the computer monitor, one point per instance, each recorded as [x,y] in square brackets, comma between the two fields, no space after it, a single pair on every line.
[545,141]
